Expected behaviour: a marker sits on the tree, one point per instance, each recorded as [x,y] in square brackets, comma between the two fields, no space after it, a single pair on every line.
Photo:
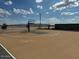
[4,26]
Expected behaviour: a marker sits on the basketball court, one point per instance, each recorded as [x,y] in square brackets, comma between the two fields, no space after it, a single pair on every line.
[4,53]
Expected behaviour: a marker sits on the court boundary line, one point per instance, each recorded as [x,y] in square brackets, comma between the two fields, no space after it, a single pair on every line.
[7,51]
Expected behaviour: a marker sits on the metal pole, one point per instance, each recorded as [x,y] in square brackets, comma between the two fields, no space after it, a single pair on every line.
[40,20]
[28,26]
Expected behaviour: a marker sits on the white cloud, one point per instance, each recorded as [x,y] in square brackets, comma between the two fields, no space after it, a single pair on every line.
[76,16]
[4,12]
[53,21]
[24,16]
[71,20]
[39,1]
[31,11]
[8,2]
[59,6]
[65,4]
[50,8]
[37,13]
[72,0]
[47,12]
[40,6]
[23,11]
[68,13]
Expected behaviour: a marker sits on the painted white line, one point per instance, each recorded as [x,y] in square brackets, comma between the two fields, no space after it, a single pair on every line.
[8,51]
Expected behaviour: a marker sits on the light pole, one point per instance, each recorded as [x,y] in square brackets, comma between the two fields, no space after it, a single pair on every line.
[28,25]
[47,13]
[40,20]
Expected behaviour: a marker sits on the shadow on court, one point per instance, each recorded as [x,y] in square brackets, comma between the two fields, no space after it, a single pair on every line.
[34,32]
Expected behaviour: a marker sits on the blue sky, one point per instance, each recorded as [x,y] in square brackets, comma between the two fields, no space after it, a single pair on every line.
[52,11]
